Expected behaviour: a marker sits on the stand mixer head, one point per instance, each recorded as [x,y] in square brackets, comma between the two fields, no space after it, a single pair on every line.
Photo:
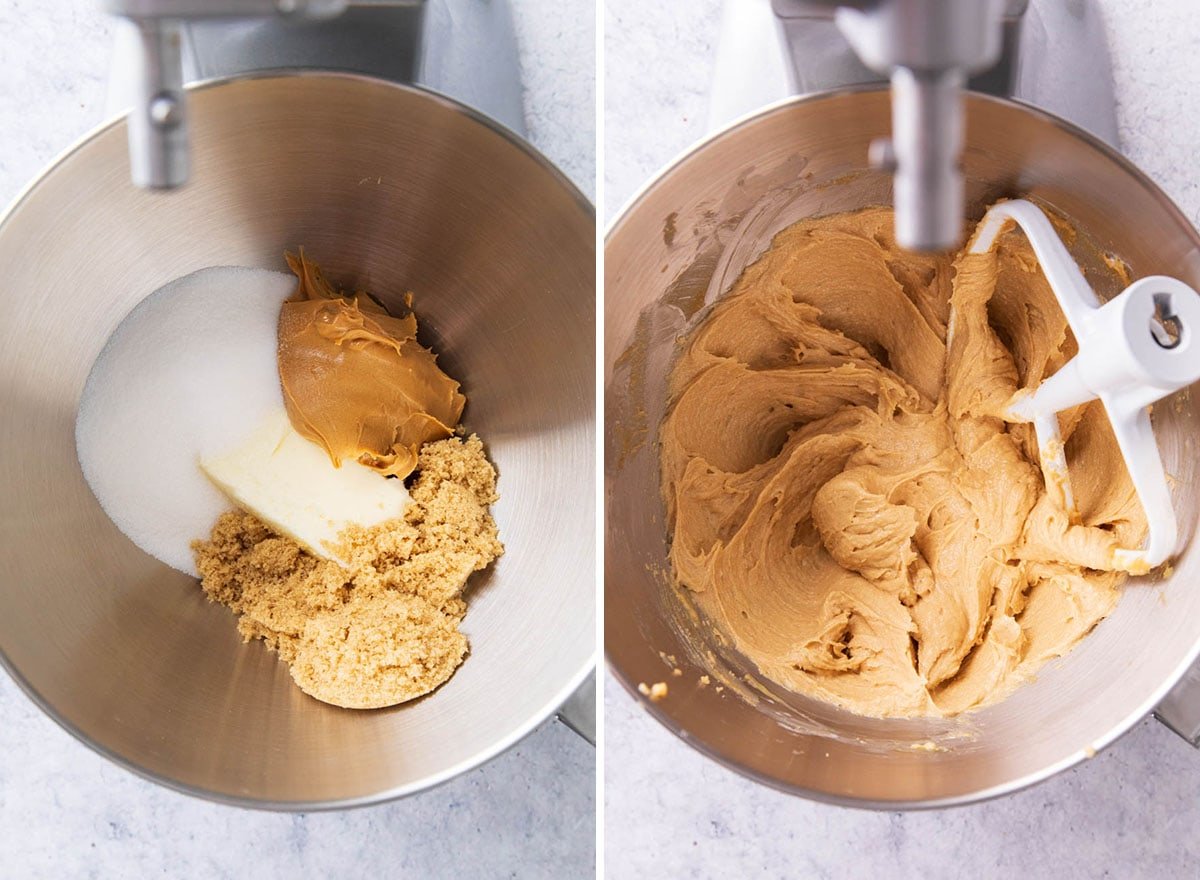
[467,51]
[927,48]
[158,130]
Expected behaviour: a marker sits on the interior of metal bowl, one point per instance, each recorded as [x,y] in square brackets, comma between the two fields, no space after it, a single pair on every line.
[678,247]
[391,190]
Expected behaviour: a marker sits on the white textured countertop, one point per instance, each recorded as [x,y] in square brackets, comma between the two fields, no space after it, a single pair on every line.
[65,812]
[1134,810]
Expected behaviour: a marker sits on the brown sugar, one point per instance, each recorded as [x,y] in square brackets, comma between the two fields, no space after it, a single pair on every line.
[385,629]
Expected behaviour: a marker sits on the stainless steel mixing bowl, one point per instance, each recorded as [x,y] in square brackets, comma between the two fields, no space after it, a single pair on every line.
[391,189]
[678,246]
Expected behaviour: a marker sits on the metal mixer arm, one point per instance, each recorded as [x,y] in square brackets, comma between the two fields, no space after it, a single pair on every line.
[927,48]
[158,131]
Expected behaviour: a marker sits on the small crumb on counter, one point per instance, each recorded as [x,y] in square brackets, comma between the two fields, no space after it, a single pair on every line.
[656,691]
[705,681]
[927,746]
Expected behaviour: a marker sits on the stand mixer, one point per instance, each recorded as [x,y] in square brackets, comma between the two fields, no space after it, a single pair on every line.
[467,51]
[1049,54]
[398,188]
[818,149]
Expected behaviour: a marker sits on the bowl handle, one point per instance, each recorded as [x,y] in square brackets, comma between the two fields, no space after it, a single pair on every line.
[579,710]
[1180,709]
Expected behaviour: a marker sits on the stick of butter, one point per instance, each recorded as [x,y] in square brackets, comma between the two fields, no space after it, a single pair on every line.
[290,484]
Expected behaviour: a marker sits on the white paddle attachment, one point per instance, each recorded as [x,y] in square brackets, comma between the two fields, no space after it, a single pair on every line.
[1134,350]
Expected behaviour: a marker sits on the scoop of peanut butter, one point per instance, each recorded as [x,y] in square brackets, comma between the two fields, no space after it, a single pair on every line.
[356,381]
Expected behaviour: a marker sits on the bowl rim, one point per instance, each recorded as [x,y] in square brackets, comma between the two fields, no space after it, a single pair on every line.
[657,710]
[502,744]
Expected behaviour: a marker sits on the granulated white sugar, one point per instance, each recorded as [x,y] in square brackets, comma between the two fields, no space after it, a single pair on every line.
[192,367]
